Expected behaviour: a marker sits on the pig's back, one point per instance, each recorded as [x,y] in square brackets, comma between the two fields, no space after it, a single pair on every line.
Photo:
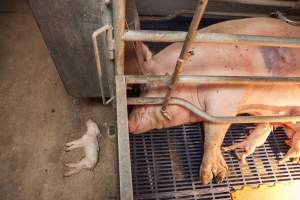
[255,26]
[236,60]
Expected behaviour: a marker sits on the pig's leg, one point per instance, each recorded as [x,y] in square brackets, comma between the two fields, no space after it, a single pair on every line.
[213,163]
[294,151]
[289,132]
[75,167]
[87,162]
[218,101]
[74,144]
[256,138]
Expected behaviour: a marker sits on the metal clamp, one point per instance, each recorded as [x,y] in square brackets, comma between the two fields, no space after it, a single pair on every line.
[199,12]
[108,29]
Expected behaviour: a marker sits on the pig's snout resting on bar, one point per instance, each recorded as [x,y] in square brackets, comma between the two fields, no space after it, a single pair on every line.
[226,100]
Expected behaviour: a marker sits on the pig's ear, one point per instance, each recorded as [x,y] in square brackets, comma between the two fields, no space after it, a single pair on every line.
[147,54]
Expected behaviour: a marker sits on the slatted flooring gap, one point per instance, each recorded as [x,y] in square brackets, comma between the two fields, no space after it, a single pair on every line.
[165,164]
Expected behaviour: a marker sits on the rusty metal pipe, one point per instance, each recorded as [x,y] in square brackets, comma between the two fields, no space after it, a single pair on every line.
[196,80]
[178,36]
[119,28]
[199,11]
[125,180]
[210,118]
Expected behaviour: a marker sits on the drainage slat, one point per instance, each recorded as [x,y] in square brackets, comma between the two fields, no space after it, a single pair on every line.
[165,163]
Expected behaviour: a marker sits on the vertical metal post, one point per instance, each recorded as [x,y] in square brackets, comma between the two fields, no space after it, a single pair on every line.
[125,178]
[199,11]
[119,29]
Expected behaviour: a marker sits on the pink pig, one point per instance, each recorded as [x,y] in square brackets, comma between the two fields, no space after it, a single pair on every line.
[224,100]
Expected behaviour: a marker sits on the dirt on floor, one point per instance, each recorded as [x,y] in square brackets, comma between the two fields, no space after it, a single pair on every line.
[38,117]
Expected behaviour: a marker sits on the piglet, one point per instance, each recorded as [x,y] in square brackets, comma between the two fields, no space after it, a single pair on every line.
[91,147]
[257,137]
[293,142]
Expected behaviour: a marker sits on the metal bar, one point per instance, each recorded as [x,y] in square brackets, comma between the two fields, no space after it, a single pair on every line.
[291,4]
[281,16]
[193,79]
[110,45]
[199,11]
[125,178]
[188,12]
[119,28]
[239,14]
[210,118]
[207,13]
[108,29]
[178,36]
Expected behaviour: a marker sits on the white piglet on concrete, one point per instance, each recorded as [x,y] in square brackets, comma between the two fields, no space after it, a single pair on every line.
[91,147]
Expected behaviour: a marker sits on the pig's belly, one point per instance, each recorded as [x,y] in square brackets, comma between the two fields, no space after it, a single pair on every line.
[279,100]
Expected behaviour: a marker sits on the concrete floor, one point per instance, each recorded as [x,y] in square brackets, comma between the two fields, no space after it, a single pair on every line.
[38,117]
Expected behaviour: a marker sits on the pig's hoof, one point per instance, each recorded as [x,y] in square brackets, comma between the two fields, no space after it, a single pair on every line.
[292,153]
[213,165]
[248,148]
[206,176]
[288,142]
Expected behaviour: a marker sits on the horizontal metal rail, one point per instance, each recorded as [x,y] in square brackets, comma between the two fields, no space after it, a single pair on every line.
[210,118]
[193,79]
[263,2]
[179,36]
[188,13]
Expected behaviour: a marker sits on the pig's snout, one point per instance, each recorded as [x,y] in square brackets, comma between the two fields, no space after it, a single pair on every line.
[135,119]
[132,125]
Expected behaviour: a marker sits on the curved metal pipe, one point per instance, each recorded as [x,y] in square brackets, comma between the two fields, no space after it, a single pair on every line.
[95,35]
[281,16]
[210,118]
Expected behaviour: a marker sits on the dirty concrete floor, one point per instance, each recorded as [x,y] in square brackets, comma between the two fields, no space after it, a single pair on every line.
[38,117]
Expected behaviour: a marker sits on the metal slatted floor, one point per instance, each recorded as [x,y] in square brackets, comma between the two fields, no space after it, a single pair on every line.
[165,164]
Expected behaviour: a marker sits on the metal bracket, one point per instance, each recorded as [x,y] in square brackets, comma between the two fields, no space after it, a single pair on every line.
[110,43]
[111,48]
